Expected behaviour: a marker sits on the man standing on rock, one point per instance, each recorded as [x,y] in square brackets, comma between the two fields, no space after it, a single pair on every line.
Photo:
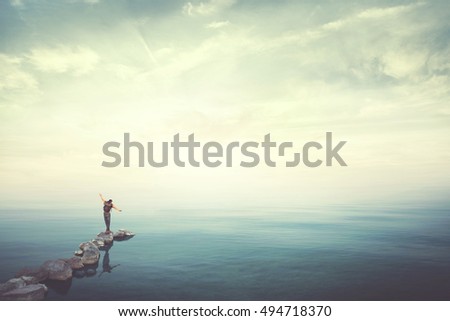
[107,206]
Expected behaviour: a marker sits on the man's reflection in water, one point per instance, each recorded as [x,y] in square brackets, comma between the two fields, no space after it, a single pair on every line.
[106,266]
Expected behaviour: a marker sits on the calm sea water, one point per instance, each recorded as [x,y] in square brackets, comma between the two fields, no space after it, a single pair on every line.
[334,253]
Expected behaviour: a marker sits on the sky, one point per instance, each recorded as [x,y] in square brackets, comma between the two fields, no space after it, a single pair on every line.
[76,74]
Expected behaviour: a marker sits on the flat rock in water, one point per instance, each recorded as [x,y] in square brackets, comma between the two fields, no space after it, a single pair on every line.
[91,254]
[57,270]
[122,235]
[98,242]
[11,285]
[86,245]
[30,280]
[75,263]
[38,274]
[26,293]
[106,237]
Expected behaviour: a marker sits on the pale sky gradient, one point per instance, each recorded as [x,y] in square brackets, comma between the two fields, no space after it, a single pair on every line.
[76,74]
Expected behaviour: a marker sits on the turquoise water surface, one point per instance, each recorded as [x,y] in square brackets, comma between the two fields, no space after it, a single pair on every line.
[332,253]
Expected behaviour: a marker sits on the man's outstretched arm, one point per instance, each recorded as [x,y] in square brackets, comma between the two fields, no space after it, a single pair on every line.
[116,208]
[101,196]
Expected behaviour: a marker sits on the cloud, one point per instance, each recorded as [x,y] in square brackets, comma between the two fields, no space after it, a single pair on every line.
[16,85]
[404,63]
[13,77]
[63,59]
[16,3]
[21,3]
[217,24]
[351,21]
[376,13]
[207,8]
[377,47]
[371,13]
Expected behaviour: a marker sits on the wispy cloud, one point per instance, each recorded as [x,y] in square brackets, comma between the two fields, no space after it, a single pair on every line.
[217,24]
[76,60]
[16,3]
[17,86]
[374,13]
[207,8]
[22,3]
[12,75]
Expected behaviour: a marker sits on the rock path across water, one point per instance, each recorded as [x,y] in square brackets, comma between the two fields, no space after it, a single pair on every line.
[27,286]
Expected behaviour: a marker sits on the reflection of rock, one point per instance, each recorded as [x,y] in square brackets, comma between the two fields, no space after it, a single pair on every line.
[122,235]
[60,287]
[75,263]
[90,272]
[91,254]
[79,274]
[86,271]
[26,293]
[57,270]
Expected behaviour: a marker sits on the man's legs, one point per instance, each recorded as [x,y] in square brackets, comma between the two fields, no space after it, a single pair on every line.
[107,217]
